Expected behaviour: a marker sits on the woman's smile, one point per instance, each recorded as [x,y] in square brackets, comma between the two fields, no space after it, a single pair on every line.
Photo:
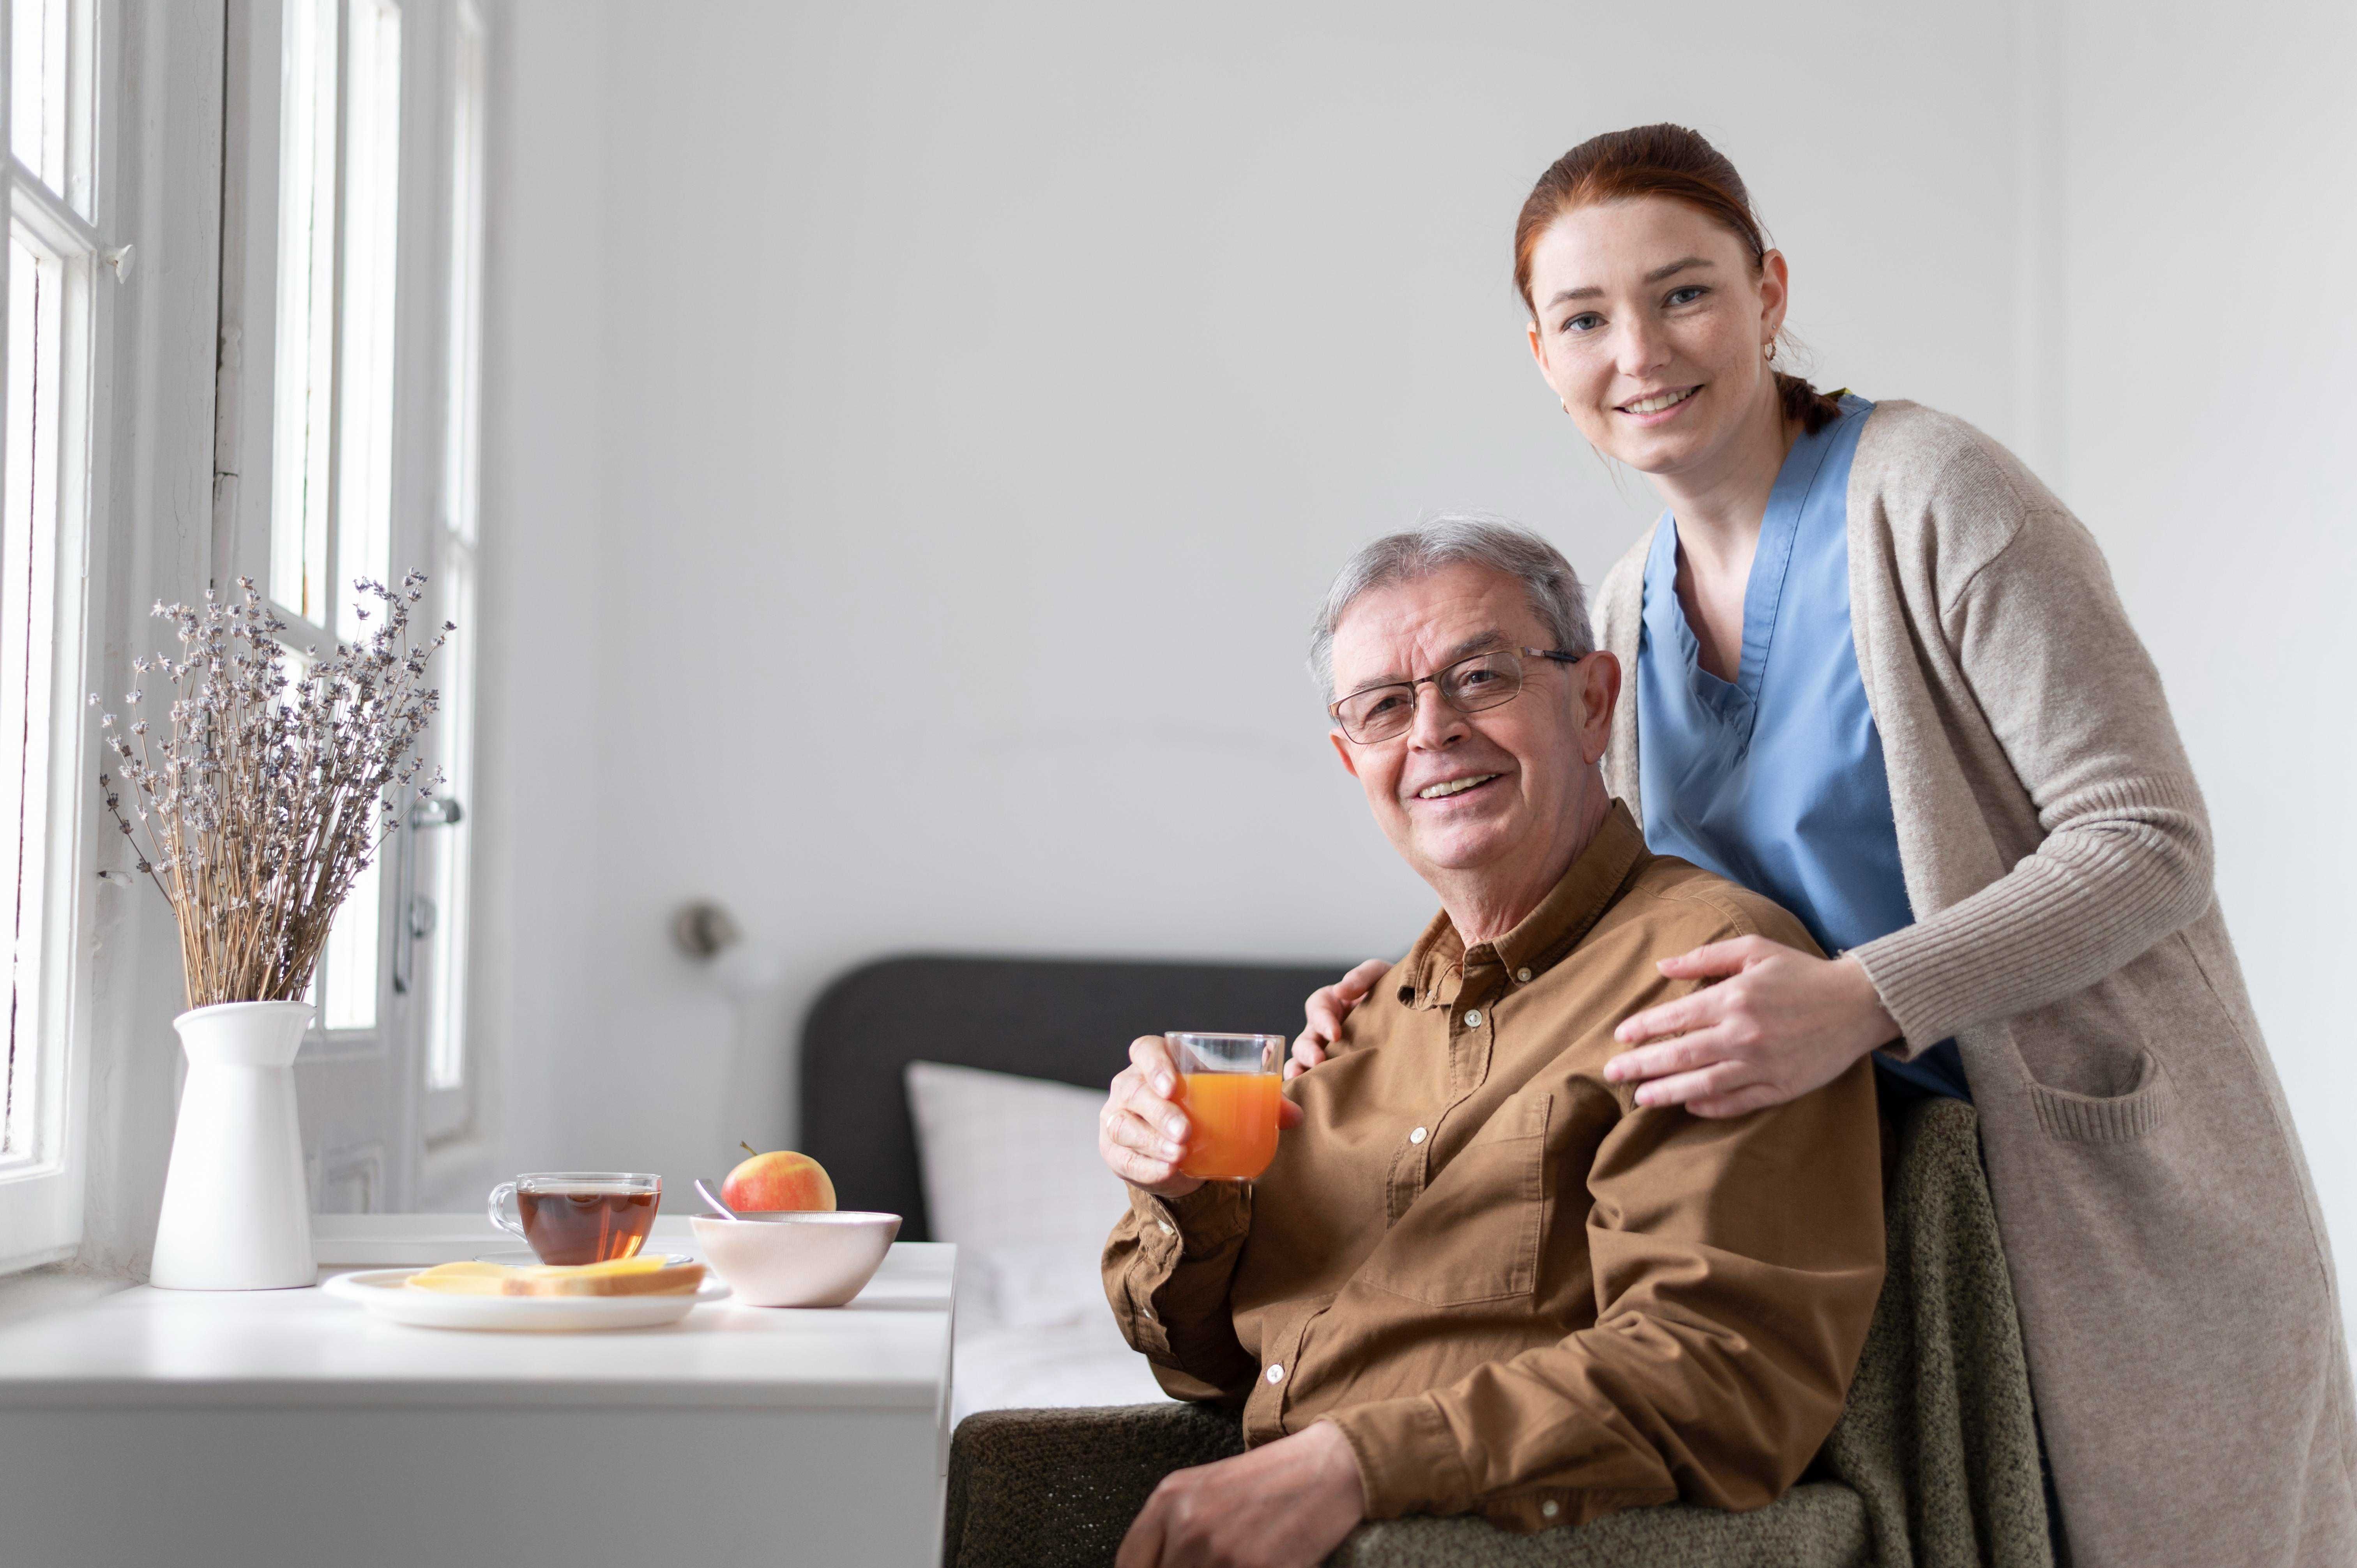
[1657,408]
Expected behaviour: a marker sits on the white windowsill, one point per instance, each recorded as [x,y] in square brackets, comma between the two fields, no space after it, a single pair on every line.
[52,1289]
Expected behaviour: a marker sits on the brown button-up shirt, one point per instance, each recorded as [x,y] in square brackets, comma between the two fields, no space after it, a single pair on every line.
[1512,1288]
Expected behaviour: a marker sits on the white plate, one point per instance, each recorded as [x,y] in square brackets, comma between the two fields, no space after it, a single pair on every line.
[524,1257]
[383,1293]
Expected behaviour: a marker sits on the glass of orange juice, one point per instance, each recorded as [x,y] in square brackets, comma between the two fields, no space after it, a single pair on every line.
[1229,1084]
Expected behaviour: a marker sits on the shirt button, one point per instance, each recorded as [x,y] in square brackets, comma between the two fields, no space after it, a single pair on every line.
[1168,1228]
[1523,975]
[1276,1374]
[1473,1017]
[1550,1508]
[1417,1136]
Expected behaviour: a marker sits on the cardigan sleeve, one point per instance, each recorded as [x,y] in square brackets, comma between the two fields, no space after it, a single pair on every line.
[2075,702]
[1620,603]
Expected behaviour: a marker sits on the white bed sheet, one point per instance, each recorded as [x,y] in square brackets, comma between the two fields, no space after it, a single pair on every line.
[1012,1174]
[1062,1365]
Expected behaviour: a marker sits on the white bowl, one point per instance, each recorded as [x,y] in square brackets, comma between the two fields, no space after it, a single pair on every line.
[817,1258]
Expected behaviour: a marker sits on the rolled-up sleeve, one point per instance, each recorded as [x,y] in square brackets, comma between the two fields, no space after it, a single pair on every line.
[1736,1266]
[1167,1267]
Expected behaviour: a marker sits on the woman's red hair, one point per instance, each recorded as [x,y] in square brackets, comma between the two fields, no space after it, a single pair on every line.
[1658,160]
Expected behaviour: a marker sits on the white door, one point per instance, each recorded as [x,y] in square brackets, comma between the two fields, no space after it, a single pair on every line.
[352,234]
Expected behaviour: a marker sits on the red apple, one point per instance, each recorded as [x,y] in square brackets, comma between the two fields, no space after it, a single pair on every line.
[780,1179]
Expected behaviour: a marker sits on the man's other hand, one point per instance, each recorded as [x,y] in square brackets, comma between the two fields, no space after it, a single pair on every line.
[1324,1012]
[1141,1132]
[1285,1505]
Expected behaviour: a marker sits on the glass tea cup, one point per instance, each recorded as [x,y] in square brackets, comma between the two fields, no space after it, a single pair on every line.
[579,1217]
[1230,1087]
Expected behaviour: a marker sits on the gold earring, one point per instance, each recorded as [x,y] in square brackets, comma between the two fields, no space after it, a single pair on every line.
[1772,351]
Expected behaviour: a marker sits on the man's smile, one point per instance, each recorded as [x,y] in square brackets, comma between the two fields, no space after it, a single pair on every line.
[1448,787]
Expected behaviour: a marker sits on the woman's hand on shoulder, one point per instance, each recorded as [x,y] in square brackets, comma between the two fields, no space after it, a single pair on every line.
[1778,1023]
[1324,1012]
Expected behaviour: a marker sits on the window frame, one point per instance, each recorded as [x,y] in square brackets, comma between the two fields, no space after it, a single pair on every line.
[421,340]
[42,1187]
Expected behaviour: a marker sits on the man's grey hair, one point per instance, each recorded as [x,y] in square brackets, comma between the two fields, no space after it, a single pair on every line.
[1440,542]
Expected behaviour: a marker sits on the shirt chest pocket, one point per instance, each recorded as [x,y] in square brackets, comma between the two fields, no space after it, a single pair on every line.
[1474,1233]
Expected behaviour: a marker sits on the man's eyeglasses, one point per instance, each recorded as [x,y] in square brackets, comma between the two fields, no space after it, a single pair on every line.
[1476,682]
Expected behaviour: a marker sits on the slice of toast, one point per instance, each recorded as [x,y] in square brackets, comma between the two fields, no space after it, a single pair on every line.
[632,1276]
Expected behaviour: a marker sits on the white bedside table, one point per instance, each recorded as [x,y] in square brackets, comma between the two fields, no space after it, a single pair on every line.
[281,1427]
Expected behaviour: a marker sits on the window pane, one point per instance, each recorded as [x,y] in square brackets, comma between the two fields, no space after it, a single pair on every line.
[349,971]
[452,847]
[36,87]
[306,273]
[458,459]
[371,205]
[28,608]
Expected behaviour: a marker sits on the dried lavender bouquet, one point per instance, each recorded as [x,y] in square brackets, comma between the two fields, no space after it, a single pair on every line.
[270,793]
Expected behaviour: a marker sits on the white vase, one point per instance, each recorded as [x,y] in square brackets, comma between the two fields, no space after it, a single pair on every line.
[236,1216]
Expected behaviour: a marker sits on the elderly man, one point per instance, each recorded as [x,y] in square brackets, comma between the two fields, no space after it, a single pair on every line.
[1477,1275]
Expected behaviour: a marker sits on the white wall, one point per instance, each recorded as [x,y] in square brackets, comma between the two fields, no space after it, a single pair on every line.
[1040,362]
[917,441]
[2209,368]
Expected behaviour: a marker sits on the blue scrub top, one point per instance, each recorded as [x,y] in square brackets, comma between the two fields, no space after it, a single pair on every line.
[1776,781]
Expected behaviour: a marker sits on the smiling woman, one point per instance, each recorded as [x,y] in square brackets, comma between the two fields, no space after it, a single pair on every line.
[1672,162]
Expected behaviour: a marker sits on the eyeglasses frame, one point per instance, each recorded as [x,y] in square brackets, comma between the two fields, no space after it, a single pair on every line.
[1334,708]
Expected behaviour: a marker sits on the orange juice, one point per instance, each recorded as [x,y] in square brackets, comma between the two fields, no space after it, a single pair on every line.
[1232,1134]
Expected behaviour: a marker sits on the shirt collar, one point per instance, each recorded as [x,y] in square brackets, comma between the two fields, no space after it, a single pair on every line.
[1546,935]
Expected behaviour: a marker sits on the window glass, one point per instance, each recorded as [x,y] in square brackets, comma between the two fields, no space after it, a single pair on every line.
[372,207]
[307,272]
[331,512]
[450,848]
[47,328]
[38,87]
[27,560]
[348,974]
[446,1025]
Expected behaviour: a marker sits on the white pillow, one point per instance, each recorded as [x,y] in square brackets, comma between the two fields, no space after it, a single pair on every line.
[1013,1176]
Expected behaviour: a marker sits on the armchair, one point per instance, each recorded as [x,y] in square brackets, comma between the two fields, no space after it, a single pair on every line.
[1934,1460]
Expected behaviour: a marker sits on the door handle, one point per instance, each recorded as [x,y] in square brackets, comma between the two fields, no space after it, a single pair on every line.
[414,917]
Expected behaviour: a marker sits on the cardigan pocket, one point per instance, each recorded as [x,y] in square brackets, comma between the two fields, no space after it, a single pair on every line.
[2106,1118]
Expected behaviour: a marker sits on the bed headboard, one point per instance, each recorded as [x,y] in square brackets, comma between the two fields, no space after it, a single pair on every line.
[1067,1019]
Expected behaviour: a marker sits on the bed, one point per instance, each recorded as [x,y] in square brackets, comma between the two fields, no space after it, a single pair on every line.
[961,1093]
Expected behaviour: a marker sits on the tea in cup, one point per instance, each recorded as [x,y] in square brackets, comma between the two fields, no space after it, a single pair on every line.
[579,1217]
[1230,1087]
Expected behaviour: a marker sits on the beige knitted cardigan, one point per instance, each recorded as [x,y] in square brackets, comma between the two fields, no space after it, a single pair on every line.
[2167,1247]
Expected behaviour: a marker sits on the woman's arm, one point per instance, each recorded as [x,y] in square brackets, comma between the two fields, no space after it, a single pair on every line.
[2067,688]
[2043,643]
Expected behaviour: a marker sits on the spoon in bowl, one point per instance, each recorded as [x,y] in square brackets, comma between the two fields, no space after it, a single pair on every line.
[705,1193]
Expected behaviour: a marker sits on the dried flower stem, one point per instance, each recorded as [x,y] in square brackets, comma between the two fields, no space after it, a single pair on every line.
[271,794]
